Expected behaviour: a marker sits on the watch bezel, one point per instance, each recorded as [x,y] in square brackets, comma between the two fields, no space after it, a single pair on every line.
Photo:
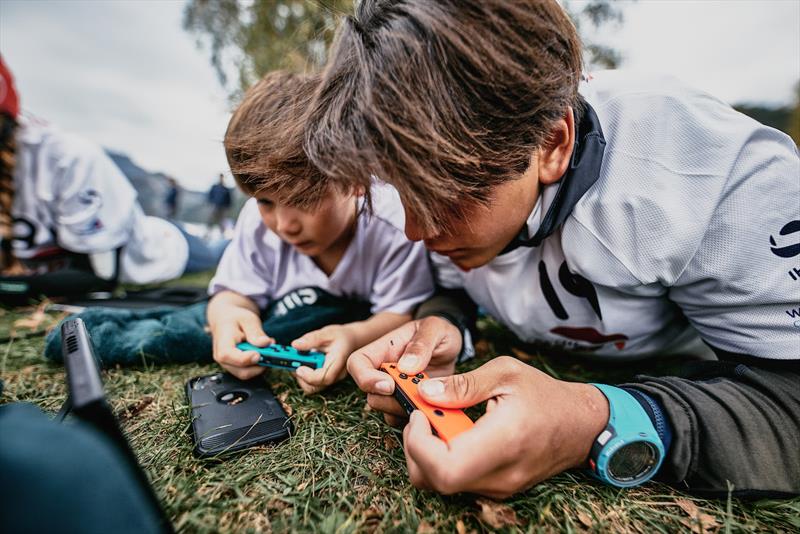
[642,475]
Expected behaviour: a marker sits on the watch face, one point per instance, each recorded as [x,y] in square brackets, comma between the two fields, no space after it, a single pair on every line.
[633,461]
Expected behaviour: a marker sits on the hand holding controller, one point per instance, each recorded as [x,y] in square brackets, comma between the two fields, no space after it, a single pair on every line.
[285,357]
[447,423]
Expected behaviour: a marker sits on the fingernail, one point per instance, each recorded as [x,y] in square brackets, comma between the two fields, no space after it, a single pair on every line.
[408,363]
[255,359]
[384,386]
[432,388]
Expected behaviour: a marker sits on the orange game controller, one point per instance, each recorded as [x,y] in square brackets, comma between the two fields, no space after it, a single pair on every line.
[447,423]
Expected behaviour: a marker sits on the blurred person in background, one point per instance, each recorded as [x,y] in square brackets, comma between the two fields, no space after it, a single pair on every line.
[171,200]
[219,196]
[70,222]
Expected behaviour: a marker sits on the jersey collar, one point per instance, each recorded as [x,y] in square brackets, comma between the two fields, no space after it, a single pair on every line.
[560,198]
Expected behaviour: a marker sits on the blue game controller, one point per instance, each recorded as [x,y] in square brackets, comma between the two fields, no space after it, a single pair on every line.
[285,357]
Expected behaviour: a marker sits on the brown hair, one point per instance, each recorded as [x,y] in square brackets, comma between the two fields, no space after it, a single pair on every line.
[443,99]
[264,140]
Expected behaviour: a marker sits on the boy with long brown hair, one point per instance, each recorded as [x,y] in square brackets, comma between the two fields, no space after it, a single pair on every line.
[304,243]
[624,216]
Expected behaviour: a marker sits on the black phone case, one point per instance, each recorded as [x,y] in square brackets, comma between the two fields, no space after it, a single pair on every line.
[229,414]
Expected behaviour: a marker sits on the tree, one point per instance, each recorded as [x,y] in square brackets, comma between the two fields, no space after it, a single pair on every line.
[258,36]
[263,35]
[784,118]
[597,13]
[793,128]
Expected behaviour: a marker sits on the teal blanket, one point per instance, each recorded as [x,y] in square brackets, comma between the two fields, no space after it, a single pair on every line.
[169,335]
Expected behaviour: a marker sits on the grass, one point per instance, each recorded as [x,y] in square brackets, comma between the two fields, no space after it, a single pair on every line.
[344,470]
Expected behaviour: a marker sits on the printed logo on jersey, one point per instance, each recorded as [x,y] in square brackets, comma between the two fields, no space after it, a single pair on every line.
[83,219]
[575,285]
[794,315]
[24,233]
[786,250]
[295,299]
[588,334]
[580,287]
[91,227]
[90,197]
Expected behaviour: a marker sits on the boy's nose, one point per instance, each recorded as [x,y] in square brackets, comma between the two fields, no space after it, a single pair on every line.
[286,222]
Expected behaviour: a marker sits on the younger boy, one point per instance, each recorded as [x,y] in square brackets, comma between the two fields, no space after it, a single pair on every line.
[304,244]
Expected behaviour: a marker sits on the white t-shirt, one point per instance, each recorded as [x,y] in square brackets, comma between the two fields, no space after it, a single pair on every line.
[70,195]
[692,228]
[380,266]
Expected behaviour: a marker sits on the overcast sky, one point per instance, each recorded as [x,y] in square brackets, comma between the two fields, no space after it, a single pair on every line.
[124,73]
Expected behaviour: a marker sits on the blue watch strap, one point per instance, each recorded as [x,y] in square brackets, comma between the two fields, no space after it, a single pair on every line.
[657,416]
[628,423]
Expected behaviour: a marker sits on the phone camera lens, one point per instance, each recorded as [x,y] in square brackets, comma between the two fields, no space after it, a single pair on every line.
[232,398]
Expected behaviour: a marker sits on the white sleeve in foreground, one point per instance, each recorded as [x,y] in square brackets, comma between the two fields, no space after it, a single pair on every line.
[246,266]
[404,277]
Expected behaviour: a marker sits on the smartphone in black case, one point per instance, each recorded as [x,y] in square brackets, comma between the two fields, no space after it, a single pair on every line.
[229,414]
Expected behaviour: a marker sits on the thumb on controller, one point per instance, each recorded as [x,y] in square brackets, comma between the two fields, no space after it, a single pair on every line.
[467,389]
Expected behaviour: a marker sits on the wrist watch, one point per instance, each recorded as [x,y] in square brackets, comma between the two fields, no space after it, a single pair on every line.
[628,452]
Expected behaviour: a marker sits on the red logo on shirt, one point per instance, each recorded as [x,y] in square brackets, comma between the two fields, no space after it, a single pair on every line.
[590,335]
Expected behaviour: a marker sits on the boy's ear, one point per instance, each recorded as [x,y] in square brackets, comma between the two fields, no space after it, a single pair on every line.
[554,155]
[359,190]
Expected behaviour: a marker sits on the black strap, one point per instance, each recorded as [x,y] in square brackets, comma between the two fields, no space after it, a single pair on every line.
[582,173]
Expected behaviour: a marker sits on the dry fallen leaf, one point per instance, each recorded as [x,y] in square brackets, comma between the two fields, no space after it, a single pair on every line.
[134,409]
[497,515]
[699,522]
[461,528]
[372,520]
[286,408]
[35,319]
[373,512]
[425,528]
[585,519]
[389,442]
[28,370]
[482,348]
[522,355]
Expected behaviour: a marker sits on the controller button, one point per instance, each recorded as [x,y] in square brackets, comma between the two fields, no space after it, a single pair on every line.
[440,413]
[391,367]
[403,376]
[420,375]
[415,380]
[303,352]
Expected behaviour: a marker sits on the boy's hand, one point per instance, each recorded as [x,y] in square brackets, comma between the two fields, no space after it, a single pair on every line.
[431,344]
[534,427]
[337,342]
[239,325]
